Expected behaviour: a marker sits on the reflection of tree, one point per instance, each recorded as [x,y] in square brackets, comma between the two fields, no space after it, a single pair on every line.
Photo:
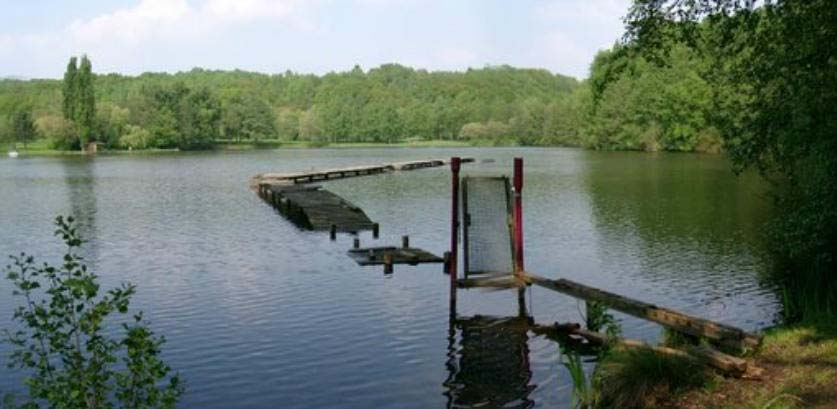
[79,179]
[675,208]
[488,363]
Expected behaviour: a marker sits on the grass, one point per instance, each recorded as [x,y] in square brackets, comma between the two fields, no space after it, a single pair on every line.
[800,363]
[642,378]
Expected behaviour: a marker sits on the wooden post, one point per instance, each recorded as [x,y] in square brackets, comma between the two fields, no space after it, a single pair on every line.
[333,232]
[455,164]
[356,243]
[518,216]
[405,242]
[387,263]
[446,263]
[375,230]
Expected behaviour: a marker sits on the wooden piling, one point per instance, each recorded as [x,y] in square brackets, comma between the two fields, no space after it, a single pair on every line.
[455,164]
[518,216]
[388,263]
[446,264]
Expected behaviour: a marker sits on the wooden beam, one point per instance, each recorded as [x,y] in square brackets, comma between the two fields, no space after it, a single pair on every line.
[677,321]
[726,364]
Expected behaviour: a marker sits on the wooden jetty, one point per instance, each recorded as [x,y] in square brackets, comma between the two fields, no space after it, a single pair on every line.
[395,255]
[295,178]
[314,208]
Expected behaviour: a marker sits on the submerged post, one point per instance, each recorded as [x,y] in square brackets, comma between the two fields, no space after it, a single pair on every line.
[518,216]
[455,164]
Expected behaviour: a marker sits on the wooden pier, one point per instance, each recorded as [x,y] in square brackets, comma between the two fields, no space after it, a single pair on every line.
[295,178]
[311,207]
[395,255]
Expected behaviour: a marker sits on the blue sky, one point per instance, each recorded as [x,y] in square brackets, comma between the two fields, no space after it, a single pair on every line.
[134,36]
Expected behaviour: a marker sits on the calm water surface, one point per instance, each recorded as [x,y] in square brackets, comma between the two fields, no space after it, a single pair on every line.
[258,313]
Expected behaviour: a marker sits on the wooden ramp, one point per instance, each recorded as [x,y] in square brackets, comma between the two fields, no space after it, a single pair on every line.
[295,178]
[311,207]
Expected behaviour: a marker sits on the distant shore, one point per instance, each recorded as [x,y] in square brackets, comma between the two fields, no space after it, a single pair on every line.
[41,148]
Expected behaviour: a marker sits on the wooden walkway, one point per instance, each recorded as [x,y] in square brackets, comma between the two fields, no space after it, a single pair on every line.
[313,208]
[347,172]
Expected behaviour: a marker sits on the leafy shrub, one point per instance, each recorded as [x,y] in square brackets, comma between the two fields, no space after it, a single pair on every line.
[64,344]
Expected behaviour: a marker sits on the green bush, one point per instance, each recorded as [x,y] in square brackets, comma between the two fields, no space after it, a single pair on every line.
[64,344]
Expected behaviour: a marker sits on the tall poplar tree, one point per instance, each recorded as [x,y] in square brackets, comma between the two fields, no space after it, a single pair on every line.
[86,102]
[70,90]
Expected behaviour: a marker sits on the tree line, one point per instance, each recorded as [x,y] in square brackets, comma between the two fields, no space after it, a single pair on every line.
[628,103]
[194,109]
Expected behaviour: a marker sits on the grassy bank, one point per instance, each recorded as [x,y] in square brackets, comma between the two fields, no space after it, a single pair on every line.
[800,371]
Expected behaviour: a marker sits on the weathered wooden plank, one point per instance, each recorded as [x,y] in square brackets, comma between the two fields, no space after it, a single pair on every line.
[377,255]
[727,364]
[675,320]
[346,172]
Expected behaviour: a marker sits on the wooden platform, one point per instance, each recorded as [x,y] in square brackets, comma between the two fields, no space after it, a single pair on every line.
[400,255]
[346,172]
[311,207]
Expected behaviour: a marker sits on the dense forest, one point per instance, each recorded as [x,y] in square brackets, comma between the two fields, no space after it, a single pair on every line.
[628,103]
[494,105]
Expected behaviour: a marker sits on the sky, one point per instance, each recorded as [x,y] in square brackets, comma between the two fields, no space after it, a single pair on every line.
[37,37]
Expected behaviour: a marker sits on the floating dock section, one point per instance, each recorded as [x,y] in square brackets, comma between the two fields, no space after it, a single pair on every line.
[311,207]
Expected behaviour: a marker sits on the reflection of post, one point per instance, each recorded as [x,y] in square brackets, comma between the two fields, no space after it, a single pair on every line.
[488,363]
[455,163]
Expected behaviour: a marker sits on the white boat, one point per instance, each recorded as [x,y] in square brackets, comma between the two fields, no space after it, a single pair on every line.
[13,154]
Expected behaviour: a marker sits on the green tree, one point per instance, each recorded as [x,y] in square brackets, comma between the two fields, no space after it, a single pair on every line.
[86,102]
[23,126]
[64,343]
[773,70]
[70,90]
[247,117]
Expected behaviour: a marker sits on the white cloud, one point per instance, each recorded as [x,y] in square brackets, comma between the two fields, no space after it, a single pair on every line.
[130,25]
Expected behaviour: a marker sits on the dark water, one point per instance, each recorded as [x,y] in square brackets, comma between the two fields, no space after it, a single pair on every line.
[260,314]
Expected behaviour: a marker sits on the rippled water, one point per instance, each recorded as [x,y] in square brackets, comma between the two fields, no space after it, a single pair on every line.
[260,314]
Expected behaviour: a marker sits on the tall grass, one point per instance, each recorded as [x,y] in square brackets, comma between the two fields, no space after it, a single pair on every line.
[633,378]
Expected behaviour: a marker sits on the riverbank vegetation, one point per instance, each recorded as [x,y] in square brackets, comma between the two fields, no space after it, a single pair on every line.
[771,69]
[627,104]
[65,342]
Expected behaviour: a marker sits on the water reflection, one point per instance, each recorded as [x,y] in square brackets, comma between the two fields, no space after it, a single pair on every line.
[79,181]
[488,363]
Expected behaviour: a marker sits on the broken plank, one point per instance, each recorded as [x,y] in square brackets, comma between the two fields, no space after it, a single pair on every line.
[675,320]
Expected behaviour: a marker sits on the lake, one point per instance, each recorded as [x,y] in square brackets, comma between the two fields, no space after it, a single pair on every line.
[259,313]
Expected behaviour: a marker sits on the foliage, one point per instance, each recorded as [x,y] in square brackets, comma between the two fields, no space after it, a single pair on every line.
[775,76]
[585,394]
[64,343]
[597,318]
[384,104]
[631,378]
[637,105]
[247,117]
[79,102]
[23,126]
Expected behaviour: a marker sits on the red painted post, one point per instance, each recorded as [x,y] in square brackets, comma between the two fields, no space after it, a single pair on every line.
[455,164]
[518,215]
